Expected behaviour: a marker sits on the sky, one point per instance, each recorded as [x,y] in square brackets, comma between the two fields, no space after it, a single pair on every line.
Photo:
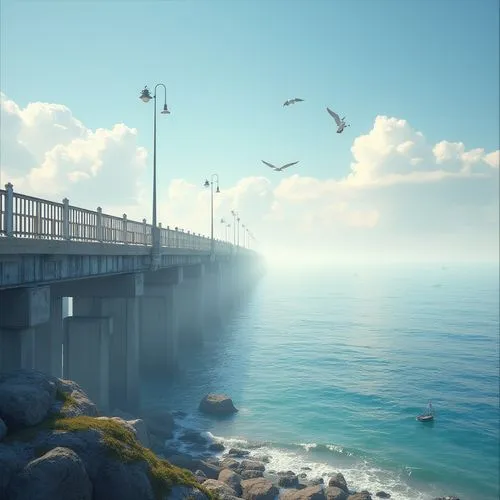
[414,177]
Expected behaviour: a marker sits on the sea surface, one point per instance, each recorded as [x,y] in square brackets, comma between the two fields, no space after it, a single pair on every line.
[330,367]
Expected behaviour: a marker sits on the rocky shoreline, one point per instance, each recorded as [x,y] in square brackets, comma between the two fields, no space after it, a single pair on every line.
[55,444]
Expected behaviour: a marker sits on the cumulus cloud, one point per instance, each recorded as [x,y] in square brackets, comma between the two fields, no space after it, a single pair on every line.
[46,151]
[399,194]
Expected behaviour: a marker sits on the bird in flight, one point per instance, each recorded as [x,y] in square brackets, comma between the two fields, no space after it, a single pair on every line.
[292,101]
[279,169]
[341,124]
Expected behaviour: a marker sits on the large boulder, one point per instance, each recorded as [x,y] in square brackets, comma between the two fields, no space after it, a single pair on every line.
[26,397]
[72,400]
[288,479]
[258,489]
[217,404]
[338,481]
[160,423]
[309,493]
[334,493]
[60,473]
[232,479]
[137,426]
[184,492]
[252,465]
[361,495]
[219,487]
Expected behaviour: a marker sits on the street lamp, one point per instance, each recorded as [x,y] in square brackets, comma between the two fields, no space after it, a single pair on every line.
[243,227]
[155,234]
[211,184]
[238,219]
[234,214]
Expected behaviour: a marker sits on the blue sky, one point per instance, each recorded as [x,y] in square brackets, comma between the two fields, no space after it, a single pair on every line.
[229,65]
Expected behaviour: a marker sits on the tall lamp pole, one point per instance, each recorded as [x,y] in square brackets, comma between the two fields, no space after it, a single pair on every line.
[234,214]
[155,234]
[211,184]
[238,219]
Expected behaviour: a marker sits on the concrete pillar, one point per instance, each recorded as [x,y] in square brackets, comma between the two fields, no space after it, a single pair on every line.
[191,303]
[159,343]
[86,344]
[113,297]
[213,290]
[49,339]
[159,317]
[17,349]
[123,348]
[21,310]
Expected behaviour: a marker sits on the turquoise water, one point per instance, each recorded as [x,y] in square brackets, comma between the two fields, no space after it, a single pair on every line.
[329,370]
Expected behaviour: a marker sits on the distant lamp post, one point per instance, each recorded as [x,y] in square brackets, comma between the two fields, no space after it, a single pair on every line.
[234,214]
[211,185]
[155,233]
[238,242]
[243,227]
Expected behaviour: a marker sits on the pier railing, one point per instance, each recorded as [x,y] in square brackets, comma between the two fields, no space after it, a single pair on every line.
[23,216]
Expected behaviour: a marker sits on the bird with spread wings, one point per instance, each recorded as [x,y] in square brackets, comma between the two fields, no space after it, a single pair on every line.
[279,169]
[341,124]
[292,101]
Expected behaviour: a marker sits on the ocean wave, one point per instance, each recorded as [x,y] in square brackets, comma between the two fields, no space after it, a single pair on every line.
[316,460]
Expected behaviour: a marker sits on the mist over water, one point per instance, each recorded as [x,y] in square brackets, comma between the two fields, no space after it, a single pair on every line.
[330,366]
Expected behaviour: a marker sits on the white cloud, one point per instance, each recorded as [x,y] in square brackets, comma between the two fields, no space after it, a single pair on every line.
[399,194]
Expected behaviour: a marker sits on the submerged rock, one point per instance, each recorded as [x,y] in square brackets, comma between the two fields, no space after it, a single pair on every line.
[217,404]
[382,494]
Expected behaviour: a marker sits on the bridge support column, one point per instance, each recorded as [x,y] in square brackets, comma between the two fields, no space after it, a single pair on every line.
[192,305]
[86,344]
[159,315]
[214,293]
[49,340]
[21,311]
[115,297]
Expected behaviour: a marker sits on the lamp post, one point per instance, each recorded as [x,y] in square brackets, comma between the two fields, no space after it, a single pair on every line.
[243,227]
[155,234]
[211,184]
[234,214]
[238,242]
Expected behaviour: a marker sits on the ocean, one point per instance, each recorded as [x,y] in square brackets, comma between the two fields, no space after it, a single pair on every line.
[329,368]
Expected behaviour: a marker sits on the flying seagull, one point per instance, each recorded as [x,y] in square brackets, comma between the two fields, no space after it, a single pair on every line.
[279,169]
[292,101]
[341,124]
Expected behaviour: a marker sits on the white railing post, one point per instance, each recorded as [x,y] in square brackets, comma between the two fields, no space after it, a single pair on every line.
[99,229]
[65,222]
[160,231]
[8,221]
[176,237]
[145,231]
[125,229]
[168,236]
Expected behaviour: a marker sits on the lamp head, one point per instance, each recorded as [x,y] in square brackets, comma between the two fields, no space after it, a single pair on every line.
[145,95]
[217,190]
[165,110]
[206,184]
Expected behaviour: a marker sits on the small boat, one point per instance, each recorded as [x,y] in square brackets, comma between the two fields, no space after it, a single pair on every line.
[427,415]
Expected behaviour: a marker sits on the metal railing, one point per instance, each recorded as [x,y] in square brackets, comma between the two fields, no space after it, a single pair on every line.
[23,216]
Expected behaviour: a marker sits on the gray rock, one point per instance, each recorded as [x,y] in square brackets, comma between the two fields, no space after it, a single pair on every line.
[334,493]
[216,447]
[217,404]
[137,427]
[251,474]
[338,480]
[288,479]
[238,453]
[231,479]
[258,489]
[58,474]
[252,465]
[219,487]
[315,481]
[194,464]
[383,494]
[12,460]
[159,422]
[193,437]
[3,429]
[309,493]
[25,397]
[79,405]
[230,463]
[184,492]
[362,495]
